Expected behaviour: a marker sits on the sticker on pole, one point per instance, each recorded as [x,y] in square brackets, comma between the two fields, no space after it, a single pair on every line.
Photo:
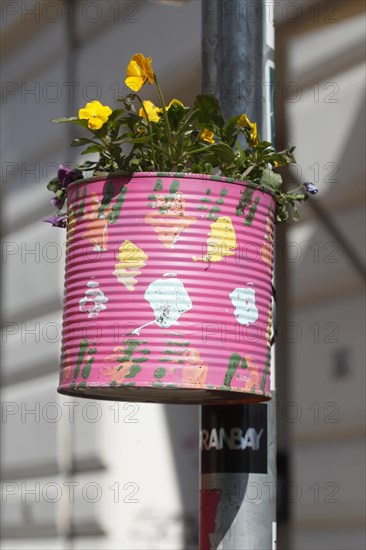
[233,439]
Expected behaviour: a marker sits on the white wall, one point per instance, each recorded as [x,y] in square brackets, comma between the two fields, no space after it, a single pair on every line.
[327,311]
[161,463]
[133,467]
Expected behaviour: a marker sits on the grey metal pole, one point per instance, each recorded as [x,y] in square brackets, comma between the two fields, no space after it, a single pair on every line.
[238,486]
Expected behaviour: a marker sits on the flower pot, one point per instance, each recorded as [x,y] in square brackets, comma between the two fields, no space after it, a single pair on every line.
[168,289]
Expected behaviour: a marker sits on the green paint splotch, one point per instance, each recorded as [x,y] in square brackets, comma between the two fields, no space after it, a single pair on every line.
[84,359]
[129,353]
[117,207]
[174,187]
[127,360]
[159,373]
[213,213]
[79,205]
[134,370]
[205,201]
[266,370]
[234,362]
[253,209]
[245,200]
[174,350]
[158,185]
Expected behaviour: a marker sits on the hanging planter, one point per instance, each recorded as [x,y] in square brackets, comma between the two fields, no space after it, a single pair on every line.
[168,289]
[169,274]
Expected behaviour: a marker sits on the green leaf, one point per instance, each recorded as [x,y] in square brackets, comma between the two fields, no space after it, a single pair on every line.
[271,179]
[209,111]
[65,119]
[264,144]
[73,120]
[232,123]
[223,151]
[87,165]
[143,139]
[77,142]
[175,115]
[92,149]
[54,185]
[60,193]
[295,214]
[116,113]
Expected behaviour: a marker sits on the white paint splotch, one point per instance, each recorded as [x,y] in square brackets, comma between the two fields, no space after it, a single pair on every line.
[168,299]
[243,299]
[94,300]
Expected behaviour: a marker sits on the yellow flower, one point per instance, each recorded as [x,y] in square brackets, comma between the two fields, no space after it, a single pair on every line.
[153,112]
[174,102]
[139,70]
[207,136]
[252,138]
[96,114]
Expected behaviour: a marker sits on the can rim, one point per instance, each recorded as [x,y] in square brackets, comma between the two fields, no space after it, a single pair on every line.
[207,177]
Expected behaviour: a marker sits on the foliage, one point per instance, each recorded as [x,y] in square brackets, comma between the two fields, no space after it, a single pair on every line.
[139,136]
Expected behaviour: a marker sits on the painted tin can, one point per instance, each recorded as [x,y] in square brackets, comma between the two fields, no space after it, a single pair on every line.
[168,290]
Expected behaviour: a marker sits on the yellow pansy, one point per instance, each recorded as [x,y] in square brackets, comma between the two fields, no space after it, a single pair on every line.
[153,112]
[253,135]
[174,102]
[244,122]
[207,136]
[96,114]
[139,70]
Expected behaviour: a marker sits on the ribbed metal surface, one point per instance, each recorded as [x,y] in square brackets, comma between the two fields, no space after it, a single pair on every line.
[168,290]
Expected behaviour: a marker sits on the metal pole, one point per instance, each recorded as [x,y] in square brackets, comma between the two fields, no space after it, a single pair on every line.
[238,486]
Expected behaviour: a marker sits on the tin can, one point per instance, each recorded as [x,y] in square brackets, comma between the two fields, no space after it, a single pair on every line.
[168,289]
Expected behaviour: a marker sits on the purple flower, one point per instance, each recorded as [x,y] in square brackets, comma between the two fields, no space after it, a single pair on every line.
[58,203]
[310,188]
[57,221]
[68,175]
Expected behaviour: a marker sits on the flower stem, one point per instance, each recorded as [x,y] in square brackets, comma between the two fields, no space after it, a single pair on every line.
[150,133]
[165,117]
[247,171]
[108,147]
[185,155]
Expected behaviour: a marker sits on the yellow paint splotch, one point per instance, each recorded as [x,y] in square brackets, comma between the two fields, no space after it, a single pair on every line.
[221,241]
[131,259]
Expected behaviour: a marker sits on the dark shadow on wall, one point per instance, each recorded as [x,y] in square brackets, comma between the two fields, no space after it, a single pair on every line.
[183,427]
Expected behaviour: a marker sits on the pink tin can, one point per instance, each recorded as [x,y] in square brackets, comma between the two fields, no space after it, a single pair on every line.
[168,290]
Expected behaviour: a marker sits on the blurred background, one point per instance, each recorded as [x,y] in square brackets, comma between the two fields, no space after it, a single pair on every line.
[83,474]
